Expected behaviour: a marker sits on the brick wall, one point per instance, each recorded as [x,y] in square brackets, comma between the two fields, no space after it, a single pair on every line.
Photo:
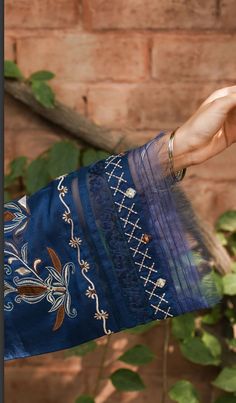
[138,65]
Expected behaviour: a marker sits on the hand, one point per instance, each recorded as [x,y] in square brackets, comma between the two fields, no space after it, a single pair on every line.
[210,130]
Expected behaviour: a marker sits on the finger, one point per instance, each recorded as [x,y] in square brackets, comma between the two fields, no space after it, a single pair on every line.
[222,92]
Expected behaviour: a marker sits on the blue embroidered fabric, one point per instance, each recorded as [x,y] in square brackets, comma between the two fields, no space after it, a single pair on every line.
[107,247]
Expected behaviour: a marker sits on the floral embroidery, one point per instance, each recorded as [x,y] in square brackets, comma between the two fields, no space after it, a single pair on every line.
[90,293]
[84,265]
[34,289]
[63,190]
[16,216]
[101,315]
[66,217]
[75,243]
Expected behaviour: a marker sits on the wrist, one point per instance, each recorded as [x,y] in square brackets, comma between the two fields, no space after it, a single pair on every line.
[181,156]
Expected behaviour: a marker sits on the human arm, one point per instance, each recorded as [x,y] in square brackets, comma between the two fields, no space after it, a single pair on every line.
[102,249]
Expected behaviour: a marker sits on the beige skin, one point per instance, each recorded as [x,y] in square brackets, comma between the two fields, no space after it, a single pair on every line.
[209,131]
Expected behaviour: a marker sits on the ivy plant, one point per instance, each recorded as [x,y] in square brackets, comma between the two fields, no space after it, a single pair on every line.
[38,82]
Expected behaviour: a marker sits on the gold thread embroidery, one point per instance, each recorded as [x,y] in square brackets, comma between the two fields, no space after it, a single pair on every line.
[75,243]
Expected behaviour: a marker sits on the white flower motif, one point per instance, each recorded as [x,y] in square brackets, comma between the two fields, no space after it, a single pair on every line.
[84,265]
[66,216]
[75,242]
[101,315]
[90,293]
[63,190]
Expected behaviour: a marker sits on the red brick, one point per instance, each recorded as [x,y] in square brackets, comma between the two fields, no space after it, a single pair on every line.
[162,105]
[201,57]
[107,104]
[71,94]
[9,48]
[86,57]
[151,14]
[227,17]
[41,14]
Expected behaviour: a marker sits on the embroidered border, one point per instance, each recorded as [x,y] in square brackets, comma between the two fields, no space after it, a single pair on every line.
[130,220]
[75,242]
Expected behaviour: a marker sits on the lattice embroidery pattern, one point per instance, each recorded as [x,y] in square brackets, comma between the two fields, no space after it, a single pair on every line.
[75,242]
[133,231]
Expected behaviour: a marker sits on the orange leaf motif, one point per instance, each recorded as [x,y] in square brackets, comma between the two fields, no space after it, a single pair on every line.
[31,290]
[59,318]
[55,259]
[8,215]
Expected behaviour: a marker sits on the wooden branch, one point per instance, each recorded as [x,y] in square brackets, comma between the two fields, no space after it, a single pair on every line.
[79,126]
[85,130]
[222,260]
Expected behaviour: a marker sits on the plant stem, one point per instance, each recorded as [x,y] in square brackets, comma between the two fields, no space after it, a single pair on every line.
[165,361]
[101,366]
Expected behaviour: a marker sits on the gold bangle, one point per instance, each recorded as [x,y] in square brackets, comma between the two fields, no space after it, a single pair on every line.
[178,175]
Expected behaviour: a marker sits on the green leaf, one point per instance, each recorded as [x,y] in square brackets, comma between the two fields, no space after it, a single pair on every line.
[226,380]
[89,156]
[43,94]
[85,399]
[17,170]
[42,75]
[229,284]
[17,167]
[232,243]
[183,326]
[230,314]
[137,355]
[231,343]
[195,350]
[37,175]
[213,316]
[7,196]
[222,238]
[217,279]
[184,392]
[226,399]
[82,349]
[8,181]
[212,343]
[102,154]
[126,380]
[63,158]
[227,221]
[140,329]
[11,70]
